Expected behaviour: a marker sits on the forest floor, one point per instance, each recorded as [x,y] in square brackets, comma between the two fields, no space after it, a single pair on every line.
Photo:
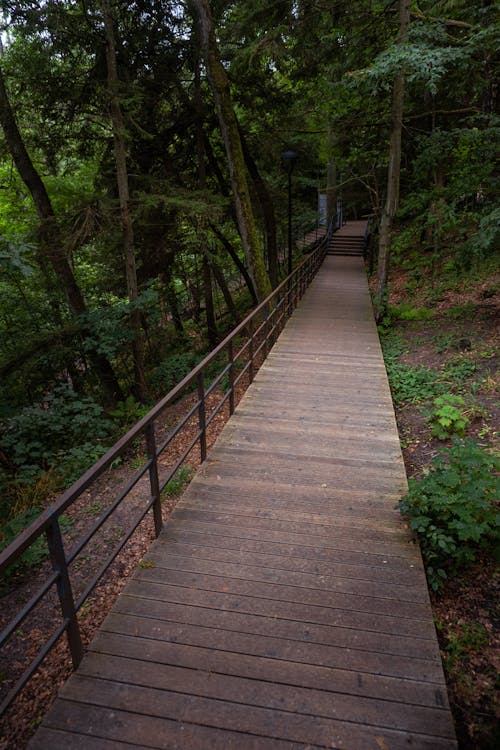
[463,333]
[462,340]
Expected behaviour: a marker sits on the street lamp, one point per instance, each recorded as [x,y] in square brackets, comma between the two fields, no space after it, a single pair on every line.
[289,158]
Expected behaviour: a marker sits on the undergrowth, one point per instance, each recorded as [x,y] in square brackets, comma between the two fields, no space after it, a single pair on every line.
[454,508]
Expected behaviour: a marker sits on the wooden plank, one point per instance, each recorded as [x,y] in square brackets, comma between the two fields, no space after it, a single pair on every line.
[264,556]
[259,693]
[337,657]
[322,615]
[368,603]
[167,561]
[261,665]
[66,739]
[119,726]
[338,636]
[130,704]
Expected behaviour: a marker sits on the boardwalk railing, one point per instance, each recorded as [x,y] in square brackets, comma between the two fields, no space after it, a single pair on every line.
[258,332]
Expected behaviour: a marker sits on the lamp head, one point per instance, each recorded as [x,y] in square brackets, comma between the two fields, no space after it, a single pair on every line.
[289,158]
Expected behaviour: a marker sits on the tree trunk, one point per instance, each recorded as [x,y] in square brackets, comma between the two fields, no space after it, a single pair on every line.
[50,240]
[170,294]
[229,128]
[266,206]
[221,281]
[237,262]
[393,175]
[209,304]
[124,198]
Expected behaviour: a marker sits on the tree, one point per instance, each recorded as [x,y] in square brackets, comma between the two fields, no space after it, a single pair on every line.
[393,174]
[124,197]
[51,241]
[234,152]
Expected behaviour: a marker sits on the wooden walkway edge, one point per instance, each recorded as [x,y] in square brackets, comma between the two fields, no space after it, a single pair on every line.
[285,606]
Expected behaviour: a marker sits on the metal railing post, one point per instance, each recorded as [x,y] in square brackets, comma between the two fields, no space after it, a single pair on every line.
[230,356]
[250,352]
[275,316]
[266,329]
[64,591]
[202,420]
[153,476]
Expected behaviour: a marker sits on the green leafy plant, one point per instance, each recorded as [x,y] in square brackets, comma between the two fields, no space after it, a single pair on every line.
[447,419]
[36,552]
[454,508]
[461,311]
[412,384]
[174,487]
[66,424]
[128,412]
[408,384]
[444,342]
[458,370]
[173,369]
[406,311]
[465,639]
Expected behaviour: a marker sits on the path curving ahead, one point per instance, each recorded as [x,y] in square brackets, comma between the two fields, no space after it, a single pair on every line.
[285,605]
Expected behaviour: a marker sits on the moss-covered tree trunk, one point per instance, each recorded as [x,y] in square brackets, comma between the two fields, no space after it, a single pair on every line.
[267,210]
[219,82]
[393,174]
[124,197]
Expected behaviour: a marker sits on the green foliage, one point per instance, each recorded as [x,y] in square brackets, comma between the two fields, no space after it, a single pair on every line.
[128,412]
[77,459]
[426,57]
[408,384]
[36,553]
[110,329]
[416,384]
[175,486]
[454,508]
[446,418]
[406,311]
[443,342]
[466,639]
[66,427]
[13,258]
[461,311]
[458,370]
[486,239]
[173,369]
[413,384]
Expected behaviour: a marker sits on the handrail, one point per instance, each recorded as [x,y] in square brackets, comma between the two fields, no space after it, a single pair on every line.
[261,327]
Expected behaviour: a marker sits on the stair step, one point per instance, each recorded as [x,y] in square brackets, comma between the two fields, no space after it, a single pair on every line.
[346,245]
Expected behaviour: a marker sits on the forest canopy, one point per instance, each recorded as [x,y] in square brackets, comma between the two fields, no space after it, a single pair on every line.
[143,199]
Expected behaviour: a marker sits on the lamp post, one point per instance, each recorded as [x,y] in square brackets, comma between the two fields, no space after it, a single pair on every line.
[289,158]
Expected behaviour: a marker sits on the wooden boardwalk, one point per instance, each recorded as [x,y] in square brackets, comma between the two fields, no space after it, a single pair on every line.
[285,605]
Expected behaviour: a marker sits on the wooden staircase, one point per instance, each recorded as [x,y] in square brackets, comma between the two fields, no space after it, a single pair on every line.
[349,239]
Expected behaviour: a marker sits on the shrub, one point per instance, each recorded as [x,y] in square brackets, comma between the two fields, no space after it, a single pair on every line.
[447,419]
[41,436]
[36,552]
[454,508]
[173,369]
[412,384]
[128,412]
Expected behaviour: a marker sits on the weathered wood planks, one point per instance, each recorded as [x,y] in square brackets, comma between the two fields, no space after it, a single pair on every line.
[285,605]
